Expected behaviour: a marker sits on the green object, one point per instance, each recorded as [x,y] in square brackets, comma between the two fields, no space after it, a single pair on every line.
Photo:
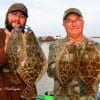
[44,97]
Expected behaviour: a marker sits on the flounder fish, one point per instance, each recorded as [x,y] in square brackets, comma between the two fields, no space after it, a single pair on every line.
[66,67]
[26,60]
[89,67]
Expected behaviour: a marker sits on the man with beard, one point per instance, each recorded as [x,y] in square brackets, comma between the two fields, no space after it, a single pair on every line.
[16,17]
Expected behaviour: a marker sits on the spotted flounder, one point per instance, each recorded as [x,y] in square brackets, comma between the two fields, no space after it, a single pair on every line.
[66,67]
[26,60]
[89,68]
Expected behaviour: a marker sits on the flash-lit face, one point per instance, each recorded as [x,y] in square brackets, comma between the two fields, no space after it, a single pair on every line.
[73,25]
[15,19]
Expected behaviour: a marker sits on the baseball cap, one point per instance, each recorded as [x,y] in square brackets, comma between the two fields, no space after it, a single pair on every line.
[20,7]
[72,10]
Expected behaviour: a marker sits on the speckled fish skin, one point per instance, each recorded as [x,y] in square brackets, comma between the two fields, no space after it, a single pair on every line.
[14,51]
[34,65]
[66,67]
[31,63]
[89,67]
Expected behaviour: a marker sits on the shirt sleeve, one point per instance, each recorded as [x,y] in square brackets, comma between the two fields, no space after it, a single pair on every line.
[2,49]
[54,50]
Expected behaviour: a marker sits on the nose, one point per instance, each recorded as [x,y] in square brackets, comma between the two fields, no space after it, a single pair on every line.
[17,17]
[73,23]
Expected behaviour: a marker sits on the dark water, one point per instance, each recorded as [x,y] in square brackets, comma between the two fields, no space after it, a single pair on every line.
[46,83]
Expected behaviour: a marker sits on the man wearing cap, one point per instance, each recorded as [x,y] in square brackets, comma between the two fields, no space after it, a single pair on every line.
[16,17]
[73,23]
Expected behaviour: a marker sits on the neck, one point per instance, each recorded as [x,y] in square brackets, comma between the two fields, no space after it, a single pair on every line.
[76,40]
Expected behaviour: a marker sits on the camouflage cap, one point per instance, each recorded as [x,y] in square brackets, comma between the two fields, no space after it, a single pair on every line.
[20,7]
[72,10]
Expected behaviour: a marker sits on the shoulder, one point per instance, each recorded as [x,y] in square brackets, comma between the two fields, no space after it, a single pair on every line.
[96,44]
[57,43]
[1,30]
[2,33]
[92,41]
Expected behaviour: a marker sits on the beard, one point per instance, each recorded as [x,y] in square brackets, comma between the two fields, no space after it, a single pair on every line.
[10,27]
